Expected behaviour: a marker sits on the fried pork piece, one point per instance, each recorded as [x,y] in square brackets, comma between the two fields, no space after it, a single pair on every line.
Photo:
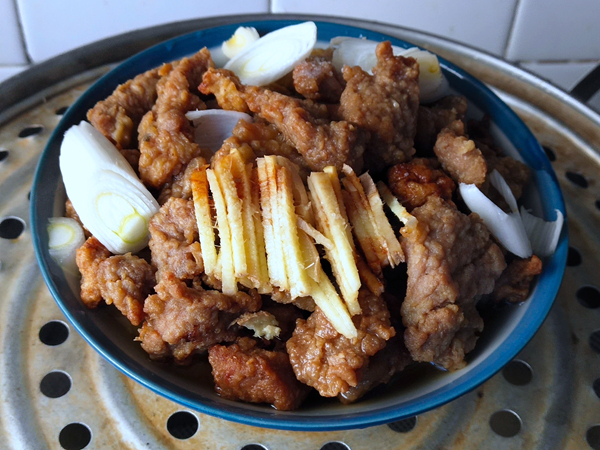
[384,104]
[180,185]
[331,363]
[459,156]
[515,282]
[382,367]
[415,181]
[317,79]
[434,118]
[190,320]
[227,89]
[243,371]
[122,280]
[88,258]
[174,240]
[452,261]
[126,281]
[166,137]
[119,115]
[264,139]
[305,125]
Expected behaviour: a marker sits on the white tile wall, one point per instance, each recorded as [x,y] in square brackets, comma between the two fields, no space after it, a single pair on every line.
[484,24]
[556,30]
[11,46]
[54,27]
[557,39]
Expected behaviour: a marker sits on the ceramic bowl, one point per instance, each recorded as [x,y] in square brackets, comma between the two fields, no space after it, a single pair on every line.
[505,334]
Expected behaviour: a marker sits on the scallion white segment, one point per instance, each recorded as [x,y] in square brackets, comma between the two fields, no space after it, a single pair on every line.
[65,236]
[508,228]
[352,52]
[542,234]
[522,234]
[242,37]
[105,191]
[274,55]
[213,126]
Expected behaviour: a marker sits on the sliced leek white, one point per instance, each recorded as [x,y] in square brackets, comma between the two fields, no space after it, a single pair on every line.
[65,236]
[274,55]
[213,126]
[542,234]
[106,193]
[242,37]
[352,52]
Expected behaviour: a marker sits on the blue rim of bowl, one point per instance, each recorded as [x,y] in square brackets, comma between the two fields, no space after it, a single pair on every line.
[478,94]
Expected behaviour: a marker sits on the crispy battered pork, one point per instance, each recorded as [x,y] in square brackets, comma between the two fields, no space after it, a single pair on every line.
[243,371]
[330,362]
[459,156]
[515,282]
[181,321]
[434,118]
[166,136]
[317,79]
[174,240]
[122,280]
[452,261]
[118,116]
[416,180]
[385,104]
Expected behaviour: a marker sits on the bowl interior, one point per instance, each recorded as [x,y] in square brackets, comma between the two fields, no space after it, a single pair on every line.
[507,330]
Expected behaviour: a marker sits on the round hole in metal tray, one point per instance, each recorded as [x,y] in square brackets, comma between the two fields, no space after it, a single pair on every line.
[596,387]
[32,130]
[573,257]
[588,296]
[505,423]
[11,227]
[550,153]
[403,426]
[592,436]
[577,179]
[54,333]
[182,425]
[253,447]
[55,384]
[595,341]
[335,446]
[75,436]
[61,111]
[3,154]
[518,372]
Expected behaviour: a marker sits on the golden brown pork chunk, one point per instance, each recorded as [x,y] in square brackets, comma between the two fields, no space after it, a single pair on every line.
[122,280]
[166,137]
[515,282]
[317,79]
[452,261]
[416,180]
[243,371]
[434,118]
[331,363]
[174,240]
[459,156]
[190,320]
[385,104]
[118,116]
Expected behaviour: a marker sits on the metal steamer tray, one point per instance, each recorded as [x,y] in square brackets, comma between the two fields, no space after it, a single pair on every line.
[58,393]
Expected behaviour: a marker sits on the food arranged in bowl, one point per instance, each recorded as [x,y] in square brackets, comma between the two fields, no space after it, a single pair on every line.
[308,219]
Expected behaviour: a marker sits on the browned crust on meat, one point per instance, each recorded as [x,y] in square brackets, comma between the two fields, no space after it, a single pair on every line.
[514,284]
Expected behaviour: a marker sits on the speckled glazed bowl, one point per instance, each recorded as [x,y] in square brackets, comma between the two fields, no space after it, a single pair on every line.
[505,334]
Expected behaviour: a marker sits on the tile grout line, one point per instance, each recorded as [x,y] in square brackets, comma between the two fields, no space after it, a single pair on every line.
[512,29]
[21,32]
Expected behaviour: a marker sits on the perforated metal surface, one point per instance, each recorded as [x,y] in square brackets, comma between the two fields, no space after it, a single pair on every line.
[58,393]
